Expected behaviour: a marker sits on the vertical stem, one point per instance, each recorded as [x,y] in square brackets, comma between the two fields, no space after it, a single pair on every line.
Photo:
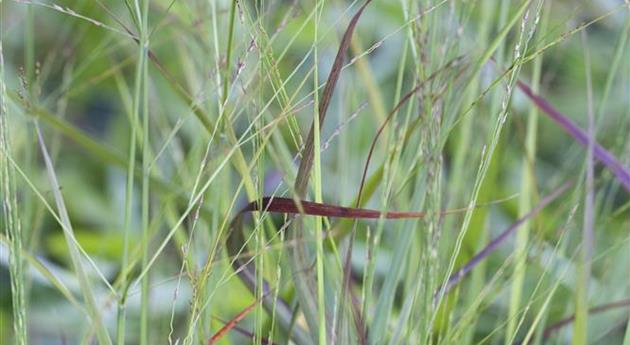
[580,330]
[317,185]
[260,238]
[127,228]
[142,99]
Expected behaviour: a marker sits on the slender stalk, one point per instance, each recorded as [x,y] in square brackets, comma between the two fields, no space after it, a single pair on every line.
[580,331]
[75,250]
[11,221]
[317,185]
[526,199]
[127,228]
[141,107]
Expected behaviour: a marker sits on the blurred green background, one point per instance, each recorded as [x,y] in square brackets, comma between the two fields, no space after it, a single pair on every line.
[72,68]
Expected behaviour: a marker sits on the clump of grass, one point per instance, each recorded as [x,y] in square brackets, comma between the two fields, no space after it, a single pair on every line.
[220,144]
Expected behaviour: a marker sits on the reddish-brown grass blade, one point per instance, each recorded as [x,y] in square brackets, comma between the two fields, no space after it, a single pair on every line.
[304,171]
[282,205]
[233,322]
[289,206]
[245,332]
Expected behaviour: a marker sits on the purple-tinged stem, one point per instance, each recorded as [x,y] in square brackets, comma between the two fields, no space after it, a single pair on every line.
[456,277]
[608,159]
[624,303]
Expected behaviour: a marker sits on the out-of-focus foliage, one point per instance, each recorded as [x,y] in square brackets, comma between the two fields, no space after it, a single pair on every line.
[74,69]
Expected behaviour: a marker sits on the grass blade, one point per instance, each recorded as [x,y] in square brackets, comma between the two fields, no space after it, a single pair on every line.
[304,282]
[11,221]
[608,159]
[457,276]
[86,288]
